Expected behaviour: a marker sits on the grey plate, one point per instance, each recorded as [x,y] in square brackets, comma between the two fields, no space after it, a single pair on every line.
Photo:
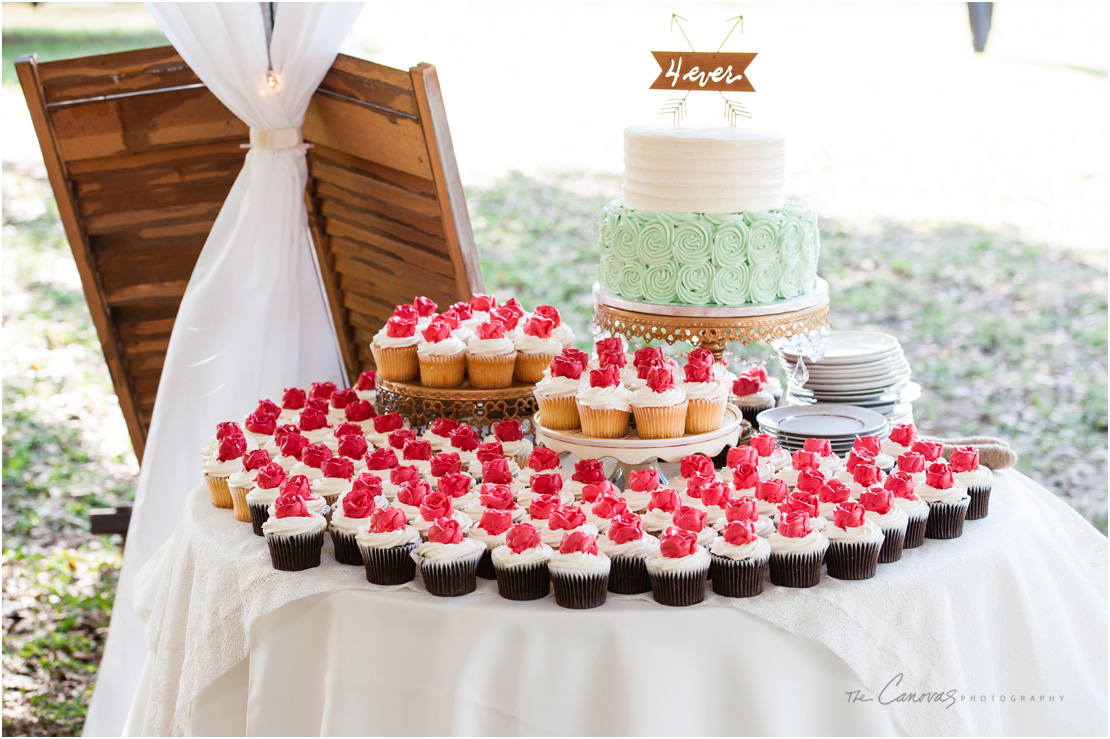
[822,420]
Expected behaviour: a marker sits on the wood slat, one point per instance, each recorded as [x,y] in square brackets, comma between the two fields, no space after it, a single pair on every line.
[213,192]
[204,170]
[370,244]
[372,187]
[412,241]
[128,162]
[394,214]
[125,268]
[385,270]
[371,83]
[330,122]
[146,291]
[129,241]
[402,180]
[154,217]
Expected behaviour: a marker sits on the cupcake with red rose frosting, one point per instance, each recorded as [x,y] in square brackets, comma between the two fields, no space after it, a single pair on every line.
[491,357]
[586,472]
[520,564]
[448,561]
[660,510]
[769,452]
[294,534]
[491,530]
[628,546]
[748,455]
[797,552]
[535,348]
[556,390]
[691,466]
[752,396]
[367,386]
[314,424]
[829,496]
[386,546]
[891,520]
[409,494]
[679,571]
[828,462]
[799,501]
[338,472]
[241,482]
[601,512]
[337,405]
[227,460]
[689,518]
[541,460]
[862,477]
[499,472]
[901,486]
[511,436]
[499,497]
[769,494]
[715,499]
[267,488]
[706,395]
[930,450]
[444,463]
[604,405]
[559,331]
[900,440]
[382,426]
[464,442]
[854,543]
[660,407]
[259,426]
[298,485]
[912,464]
[799,461]
[579,572]
[380,463]
[976,478]
[491,451]
[738,561]
[293,401]
[439,433]
[638,491]
[394,349]
[872,445]
[351,515]
[948,502]
[437,506]
[417,453]
[312,461]
[460,487]
[441,356]
[562,520]
[746,509]
[745,479]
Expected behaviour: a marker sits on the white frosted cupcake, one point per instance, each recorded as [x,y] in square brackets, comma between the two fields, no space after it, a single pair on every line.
[693,520]
[394,349]
[628,547]
[658,514]
[294,534]
[901,486]
[520,565]
[707,397]
[535,348]
[797,552]
[948,501]
[498,497]
[900,440]
[448,562]
[678,572]
[586,472]
[874,447]
[510,434]
[977,479]
[351,515]
[746,509]
[602,511]
[579,572]
[367,386]
[439,433]
[660,407]
[891,520]
[556,391]
[441,356]
[738,561]
[491,357]
[854,543]
[562,521]
[385,546]
[769,451]
[604,405]
[491,529]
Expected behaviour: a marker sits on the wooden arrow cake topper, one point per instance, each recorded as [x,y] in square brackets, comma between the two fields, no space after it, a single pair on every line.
[704,70]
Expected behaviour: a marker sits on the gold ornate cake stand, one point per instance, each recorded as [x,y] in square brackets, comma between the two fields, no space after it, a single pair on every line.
[480,408]
[712,328]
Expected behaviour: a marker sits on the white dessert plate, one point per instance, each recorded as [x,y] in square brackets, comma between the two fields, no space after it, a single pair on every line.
[853,347]
[822,420]
[855,371]
[864,388]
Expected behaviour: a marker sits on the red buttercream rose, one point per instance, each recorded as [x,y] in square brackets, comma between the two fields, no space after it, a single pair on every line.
[491,495]
[436,331]
[444,427]
[312,419]
[387,422]
[321,390]
[436,505]
[867,443]
[538,327]
[256,460]
[543,458]
[743,386]
[698,482]
[605,377]
[401,437]
[833,491]
[405,312]
[339,467]
[643,481]
[232,447]
[900,484]
[399,328]
[455,484]
[739,455]
[810,480]
[625,527]
[293,446]
[268,408]
[445,531]
[904,434]
[939,475]
[367,484]
[695,463]
[699,373]
[514,304]
[352,446]
[445,463]
[608,506]
[424,306]
[495,522]
[546,483]
[772,491]
[699,356]
[591,492]
[359,411]
[758,372]
[315,455]
[566,367]
[383,520]
[609,344]
[664,499]
[799,502]
[270,476]
[413,492]
[794,525]
[358,504]
[764,444]
[497,471]
[542,506]
[867,475]
[402,474]
[316,404]
[739,533]
[417,450]
[676,542]
[505,316]
[367,380]
[381,459]
[820,447]
[342,398]
[283,431]
[660,380]
[964,459]
[745,476]
[548,312]
[802,459]
[509,430]
[849,515]
[911,462]
[931,450]
[588,471]
[616,360]
[522,537]
[566,517]
[575,355]
[489,450]
[877,500]
[482,302]
[465,438]
[290,506]
[578,541]
[293,399]
[742,509]
[856,457]
[689,518]
[648,355]
[716,493]
[453,317]
[296,485]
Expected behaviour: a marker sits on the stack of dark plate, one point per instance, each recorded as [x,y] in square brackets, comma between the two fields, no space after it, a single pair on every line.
[840,424]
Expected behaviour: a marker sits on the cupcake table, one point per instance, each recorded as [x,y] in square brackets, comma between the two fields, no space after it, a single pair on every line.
[1004,629]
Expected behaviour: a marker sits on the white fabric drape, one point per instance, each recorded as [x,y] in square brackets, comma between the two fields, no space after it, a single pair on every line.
[253,319]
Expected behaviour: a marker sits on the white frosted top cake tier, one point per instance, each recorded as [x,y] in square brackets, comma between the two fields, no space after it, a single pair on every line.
[703,169]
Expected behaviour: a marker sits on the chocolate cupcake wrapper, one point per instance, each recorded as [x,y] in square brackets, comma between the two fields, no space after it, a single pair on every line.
[915,532]
[580,589]
[852,560]
[737,578]
[893,541]
[297,552]
[527,582]
[946,520]
[750,412]
[259,515]
[485,566]
[391,566]
[796,570]
[980,502]
[450,579]
[629,575]
[346,548]
[678,588]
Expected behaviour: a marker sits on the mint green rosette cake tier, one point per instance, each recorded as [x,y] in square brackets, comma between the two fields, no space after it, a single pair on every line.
[632,281]
[763,239]
[606,228]
[695,284]
[609,274]
[654,245]
[660,283]
[730,285]
[693,242]
[763,282]
[625,235]
[730,243]
[791,235]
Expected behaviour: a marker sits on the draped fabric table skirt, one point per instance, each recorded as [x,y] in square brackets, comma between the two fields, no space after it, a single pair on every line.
[1000,631]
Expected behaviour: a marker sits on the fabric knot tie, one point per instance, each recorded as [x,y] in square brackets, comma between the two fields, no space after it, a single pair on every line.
[275,139]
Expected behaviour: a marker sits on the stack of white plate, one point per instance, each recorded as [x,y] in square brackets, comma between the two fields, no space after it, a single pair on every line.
[840,424]
[860,368]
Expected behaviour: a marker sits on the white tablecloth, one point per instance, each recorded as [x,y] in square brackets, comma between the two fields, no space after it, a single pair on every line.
[1000,631]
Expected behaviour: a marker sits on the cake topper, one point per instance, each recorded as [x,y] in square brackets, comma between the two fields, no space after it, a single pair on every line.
[704,70]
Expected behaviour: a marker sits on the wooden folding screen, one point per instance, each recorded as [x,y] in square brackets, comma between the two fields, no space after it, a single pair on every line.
[141,156]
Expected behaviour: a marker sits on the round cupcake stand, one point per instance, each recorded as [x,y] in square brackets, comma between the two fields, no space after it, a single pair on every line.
[633,453]
[710,327]
[480,408]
